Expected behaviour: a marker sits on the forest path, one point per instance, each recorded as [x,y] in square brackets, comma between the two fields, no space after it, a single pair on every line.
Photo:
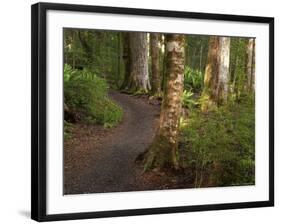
[108,164]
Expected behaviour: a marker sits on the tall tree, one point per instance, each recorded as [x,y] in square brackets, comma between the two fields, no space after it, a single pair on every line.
[253,67]
[84,40]
[216,77]
[235,59]
[139,79]
[224,69]
[163,63]
[163,152]
[210,93]
[155,76]
[126,59]
[249,63]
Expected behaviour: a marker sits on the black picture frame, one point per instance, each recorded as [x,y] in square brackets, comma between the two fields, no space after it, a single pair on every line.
[39,123]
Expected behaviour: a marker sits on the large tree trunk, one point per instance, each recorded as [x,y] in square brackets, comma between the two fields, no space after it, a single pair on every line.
[249,62]
[163,152]
[224,69]
[216,77]
[126,59]
[139,80]
[155,77]
[210,94]
[119,59]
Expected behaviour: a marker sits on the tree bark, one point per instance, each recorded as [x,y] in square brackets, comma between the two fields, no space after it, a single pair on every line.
[139,79]
[216,77]
[249,62]
[252,86]
[155,76]
[163,80]
[163,152]
[119,59]
[210,94]
[126,59]
[82,35]
[224,55]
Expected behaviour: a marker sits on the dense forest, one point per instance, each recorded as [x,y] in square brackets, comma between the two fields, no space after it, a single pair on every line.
[149,111]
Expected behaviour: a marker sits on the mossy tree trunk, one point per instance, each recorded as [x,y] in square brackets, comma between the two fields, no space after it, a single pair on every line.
[139,79]
[155,76]
[126,59]
[163,152]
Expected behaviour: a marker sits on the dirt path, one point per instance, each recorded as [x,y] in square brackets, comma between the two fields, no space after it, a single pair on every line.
[103,160]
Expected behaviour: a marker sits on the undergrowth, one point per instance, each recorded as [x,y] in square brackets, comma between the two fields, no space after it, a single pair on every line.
[220,145]
[85,95]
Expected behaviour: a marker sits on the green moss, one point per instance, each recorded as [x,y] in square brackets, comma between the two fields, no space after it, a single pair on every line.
[161,155]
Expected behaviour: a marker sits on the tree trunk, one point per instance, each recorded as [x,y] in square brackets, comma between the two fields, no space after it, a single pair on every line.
[163,80]
[139,80]
[224,69]
[210,94]
[249,60]
[119,60]
[200,59]
[82,35]
[252,86]
[126,59]
[163,152]
[155,77]
[216,77]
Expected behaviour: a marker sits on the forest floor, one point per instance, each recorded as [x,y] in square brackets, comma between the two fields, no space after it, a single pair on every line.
[97,159]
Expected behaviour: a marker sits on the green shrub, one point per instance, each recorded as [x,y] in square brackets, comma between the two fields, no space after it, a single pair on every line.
[220,145]
[193,79]
[86,94]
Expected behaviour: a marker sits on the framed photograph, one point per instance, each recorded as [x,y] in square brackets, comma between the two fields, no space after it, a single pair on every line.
[140,111]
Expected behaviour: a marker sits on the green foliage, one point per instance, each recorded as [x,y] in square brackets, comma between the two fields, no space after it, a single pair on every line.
[193,79]
[86,94]
[220,145]
[196,51]
[238,65]
[188,100]
[96,50]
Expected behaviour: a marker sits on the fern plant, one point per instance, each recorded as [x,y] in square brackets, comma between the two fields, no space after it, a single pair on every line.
[193,79]
[187,99]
